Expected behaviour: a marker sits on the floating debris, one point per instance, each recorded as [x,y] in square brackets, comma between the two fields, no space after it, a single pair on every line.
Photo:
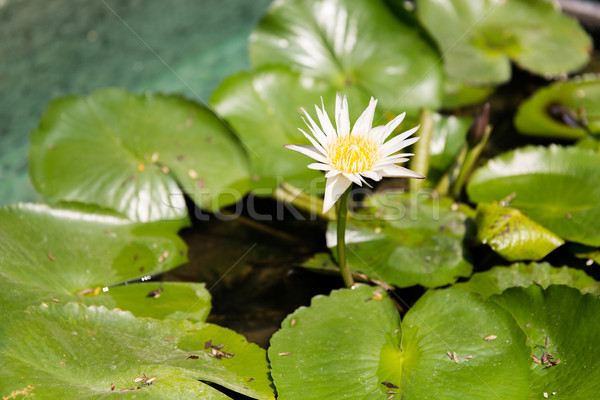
[155,294]
[50,257]
[191,357]
[390,385]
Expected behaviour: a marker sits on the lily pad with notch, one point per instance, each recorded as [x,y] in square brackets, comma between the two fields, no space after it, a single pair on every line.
[352,45]
[264,108]
[137,155]
[352,344]
[479,39]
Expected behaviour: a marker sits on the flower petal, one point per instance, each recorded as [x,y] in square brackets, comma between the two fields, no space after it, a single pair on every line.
[307,150]
[319,166]
[353,177]
[332,172]
[317,145]
[371,175]
[342,117]
[392,159]
[325,121]
[390,126]
[334,188]
[314,128]
[398,172]
[365,121]
[392,146]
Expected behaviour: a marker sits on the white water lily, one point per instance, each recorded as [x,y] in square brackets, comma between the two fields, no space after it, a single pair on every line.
[351,156]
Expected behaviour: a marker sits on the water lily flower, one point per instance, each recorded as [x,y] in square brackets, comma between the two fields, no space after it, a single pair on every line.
[351,156]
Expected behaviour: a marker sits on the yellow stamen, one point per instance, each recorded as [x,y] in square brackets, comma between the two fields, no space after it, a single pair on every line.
[353,154]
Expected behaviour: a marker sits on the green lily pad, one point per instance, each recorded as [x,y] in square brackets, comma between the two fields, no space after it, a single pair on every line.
[56,252]
[559,321]
[512,234]
[407,240]
[351,345]
[449,136]
[556,186]
[136,155]
[557,110]
[479,38]
[264,108]
[351,44]
[498,279]
[458,95]
[74,351]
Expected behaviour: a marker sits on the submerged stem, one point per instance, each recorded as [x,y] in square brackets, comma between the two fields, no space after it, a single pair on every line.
[341,238]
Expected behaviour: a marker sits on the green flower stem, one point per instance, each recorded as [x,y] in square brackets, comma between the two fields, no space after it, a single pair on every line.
[420,162]
[443,185]
[470,159]
[341,238]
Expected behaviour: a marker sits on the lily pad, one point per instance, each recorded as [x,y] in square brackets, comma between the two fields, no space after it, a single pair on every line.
[351,345]
[555,186]
[407,240]
[564,110]
[500,278]
[351,44]
[512,234]
[478,39]
[458,95]
[56,252]
[74,351]
[559,325]
[264,107]
[136,155]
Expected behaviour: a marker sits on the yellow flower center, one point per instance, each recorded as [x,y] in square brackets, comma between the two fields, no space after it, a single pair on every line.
[353,154]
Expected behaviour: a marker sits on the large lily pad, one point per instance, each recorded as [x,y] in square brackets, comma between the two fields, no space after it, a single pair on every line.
[559,323]
[351,345]
[500,278]
[567,110]
[74,351]
[512,234]
[479,38]
[407,240]
[555,186]
[57,252]
[351,44]
[264,107]
[135,154]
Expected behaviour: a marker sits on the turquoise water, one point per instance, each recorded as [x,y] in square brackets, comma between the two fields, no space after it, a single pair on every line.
[52,48]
